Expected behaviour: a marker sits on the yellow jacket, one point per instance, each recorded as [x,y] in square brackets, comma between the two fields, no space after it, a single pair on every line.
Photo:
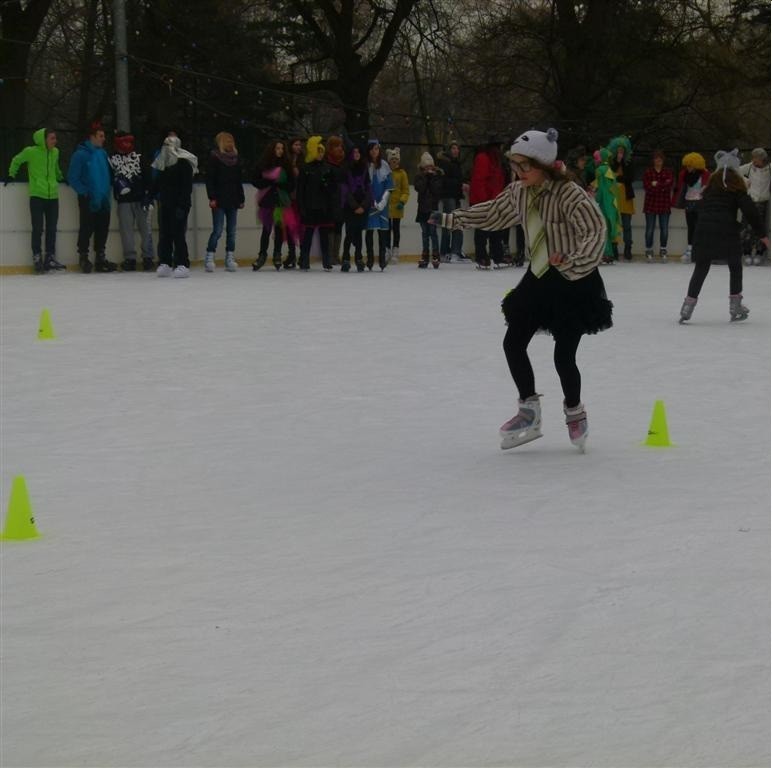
[399,194]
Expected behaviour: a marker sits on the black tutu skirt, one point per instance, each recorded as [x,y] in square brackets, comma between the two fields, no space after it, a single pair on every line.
[558,306]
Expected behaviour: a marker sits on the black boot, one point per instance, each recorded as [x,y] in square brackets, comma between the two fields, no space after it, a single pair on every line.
[628,251]
[148,264]
[51,262]
[615,252]
[259,261]
[37,264]
[101,264]
[85,265]
[129,265]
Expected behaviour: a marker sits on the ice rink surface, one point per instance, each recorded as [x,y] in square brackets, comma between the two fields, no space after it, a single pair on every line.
[278,530]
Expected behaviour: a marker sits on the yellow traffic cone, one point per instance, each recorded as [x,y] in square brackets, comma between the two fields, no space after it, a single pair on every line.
[45,327]
[19,522]
[658,436]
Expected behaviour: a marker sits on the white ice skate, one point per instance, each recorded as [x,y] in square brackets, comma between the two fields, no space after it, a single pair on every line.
[524,426]
[576,421]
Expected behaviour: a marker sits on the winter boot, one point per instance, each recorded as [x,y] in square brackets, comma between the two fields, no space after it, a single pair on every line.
[524,426]
[209,262]
[687,255]
[52,263]
[663,255]
[576,421]
[37,264]
[231,265]
[101,264]
[424,262]
[649,255]
[686,309]
[147,264]
[260,261]
[85,265]
[129,265]
[737,310]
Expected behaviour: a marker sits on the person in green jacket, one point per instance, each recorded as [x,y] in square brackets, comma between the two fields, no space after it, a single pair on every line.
[42,161]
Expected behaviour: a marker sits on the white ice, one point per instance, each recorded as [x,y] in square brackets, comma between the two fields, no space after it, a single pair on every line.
[278,530]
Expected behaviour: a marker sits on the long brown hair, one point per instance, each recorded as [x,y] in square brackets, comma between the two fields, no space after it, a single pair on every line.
[271,161]
[734,182]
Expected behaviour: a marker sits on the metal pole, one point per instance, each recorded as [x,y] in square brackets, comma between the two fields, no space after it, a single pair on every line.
[123,119]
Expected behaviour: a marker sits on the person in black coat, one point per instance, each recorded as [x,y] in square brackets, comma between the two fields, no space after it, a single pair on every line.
[449,162]
[226,197]
[174,188]
[316,203]
[718,233]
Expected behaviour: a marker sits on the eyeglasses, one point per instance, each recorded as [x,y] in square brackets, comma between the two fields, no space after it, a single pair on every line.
[523,167]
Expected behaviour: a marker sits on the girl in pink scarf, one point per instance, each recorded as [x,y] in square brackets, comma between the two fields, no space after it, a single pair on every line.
[275,181]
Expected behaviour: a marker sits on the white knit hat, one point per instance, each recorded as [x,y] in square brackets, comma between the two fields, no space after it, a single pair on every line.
[729,160]
[538,145]
[426,160]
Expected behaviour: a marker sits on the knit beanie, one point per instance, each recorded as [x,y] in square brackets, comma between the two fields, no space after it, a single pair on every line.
[726,160]
[694,160]
[312,148]
[426,160]
[123,142]
[538,145]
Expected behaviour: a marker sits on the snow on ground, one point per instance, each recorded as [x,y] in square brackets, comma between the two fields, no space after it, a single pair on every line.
[278,530]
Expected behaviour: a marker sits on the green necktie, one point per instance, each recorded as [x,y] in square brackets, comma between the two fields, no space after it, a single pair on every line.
[537,238]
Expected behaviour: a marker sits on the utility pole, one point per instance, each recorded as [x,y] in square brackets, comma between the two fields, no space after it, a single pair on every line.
[122,116]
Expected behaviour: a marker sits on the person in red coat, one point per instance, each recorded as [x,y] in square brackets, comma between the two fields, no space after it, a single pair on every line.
[658,182]
[486,183]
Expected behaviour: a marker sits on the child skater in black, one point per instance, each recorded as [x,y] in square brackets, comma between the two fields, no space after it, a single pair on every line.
[718,233]
[561,292]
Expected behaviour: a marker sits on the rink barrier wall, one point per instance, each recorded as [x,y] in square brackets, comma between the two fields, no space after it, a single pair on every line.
[15,230]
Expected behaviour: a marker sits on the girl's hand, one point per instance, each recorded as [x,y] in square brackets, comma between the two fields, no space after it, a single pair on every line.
[556,258]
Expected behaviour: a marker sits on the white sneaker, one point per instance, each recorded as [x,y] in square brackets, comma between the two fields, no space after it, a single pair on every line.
[524,426]
[164,270]
[181,271]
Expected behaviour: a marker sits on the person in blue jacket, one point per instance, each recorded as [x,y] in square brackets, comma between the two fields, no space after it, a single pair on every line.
[90,176]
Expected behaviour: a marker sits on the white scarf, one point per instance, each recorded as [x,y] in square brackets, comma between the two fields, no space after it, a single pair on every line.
[171,152]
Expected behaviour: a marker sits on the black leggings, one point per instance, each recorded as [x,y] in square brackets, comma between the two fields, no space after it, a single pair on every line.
[516,341]
[702,267]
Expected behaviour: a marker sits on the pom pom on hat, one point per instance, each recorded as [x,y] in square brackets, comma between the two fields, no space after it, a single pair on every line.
[426,160]
[541,146]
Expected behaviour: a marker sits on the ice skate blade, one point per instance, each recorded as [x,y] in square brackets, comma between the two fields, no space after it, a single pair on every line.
[579,444]
[513,440]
